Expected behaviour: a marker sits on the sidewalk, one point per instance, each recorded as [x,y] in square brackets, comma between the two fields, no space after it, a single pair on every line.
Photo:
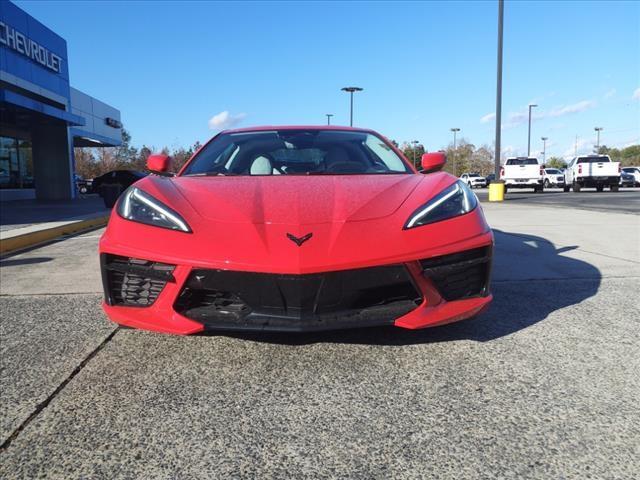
[27,223]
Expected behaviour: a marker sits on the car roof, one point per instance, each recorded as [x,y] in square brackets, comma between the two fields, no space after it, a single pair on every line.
[268,128]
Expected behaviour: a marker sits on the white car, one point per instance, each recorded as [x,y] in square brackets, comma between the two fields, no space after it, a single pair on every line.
[523,172]
[635,171]
[553,177]
[474,180]
[592,171]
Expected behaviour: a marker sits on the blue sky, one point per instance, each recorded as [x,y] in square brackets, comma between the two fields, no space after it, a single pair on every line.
[425,67]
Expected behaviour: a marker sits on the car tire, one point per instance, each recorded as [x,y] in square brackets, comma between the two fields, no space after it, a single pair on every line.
[546,183]
[576,187]
[615,188]
[599,188]
[566,188]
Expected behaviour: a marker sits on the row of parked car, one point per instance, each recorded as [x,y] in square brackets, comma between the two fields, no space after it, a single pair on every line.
[589,171]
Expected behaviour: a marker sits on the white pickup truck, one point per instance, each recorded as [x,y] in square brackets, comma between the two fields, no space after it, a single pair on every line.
[522,172]
[592,171]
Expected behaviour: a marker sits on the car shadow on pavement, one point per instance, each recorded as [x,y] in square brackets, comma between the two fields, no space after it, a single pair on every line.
[531,279]
[24,261]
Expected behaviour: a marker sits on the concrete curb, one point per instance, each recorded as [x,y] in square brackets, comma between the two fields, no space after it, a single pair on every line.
[21,241]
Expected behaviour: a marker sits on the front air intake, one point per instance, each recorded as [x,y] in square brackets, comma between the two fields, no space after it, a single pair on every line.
[133,282]
[460,275]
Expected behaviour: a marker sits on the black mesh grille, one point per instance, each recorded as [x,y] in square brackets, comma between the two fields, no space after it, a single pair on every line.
[132,281]
[349,298]
[460,275]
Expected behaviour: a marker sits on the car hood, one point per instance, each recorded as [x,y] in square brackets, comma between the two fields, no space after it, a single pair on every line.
[296,199]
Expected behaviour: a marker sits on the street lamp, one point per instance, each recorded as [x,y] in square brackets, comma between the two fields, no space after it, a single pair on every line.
[544,149]
[415,146]
[531,105]
[351,90]
[496,170]
[598,130]
[329,115]
[455,131]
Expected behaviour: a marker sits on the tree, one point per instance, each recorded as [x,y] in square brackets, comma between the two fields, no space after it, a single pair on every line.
[125,153]
[86,165]
[628,156]
[556,162]
[413,152]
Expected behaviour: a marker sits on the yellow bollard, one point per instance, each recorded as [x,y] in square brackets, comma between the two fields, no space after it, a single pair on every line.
[496,192]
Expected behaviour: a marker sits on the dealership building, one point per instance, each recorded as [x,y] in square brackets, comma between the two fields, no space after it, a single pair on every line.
[42,118]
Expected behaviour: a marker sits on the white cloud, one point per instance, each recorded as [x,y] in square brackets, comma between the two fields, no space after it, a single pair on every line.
[610,93]
[224,120]
[636,94]
[573,108]
[516,118]
[488,118]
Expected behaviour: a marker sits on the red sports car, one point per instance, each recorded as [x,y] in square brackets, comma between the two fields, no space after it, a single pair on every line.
[295,229]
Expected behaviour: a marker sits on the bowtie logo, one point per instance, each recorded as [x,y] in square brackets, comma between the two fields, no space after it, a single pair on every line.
[299,240]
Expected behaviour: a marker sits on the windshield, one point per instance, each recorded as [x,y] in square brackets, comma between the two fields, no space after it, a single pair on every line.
[552,171]
[593,159]
[522,161]
[631,170]
[296,152]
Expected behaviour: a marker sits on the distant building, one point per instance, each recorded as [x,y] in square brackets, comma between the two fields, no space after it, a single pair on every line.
[41,116]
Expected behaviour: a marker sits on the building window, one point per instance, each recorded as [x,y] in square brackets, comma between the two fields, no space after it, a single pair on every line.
[16,163]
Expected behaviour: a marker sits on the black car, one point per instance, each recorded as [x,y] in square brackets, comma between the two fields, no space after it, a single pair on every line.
[627,180]
[112,184]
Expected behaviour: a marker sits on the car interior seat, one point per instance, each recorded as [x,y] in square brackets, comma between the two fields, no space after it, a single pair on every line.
[261,165]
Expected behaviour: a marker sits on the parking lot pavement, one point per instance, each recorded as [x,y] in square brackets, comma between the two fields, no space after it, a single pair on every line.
[543,385]
[627,200]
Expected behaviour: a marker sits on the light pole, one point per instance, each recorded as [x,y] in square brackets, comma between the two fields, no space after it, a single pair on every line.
[598,130]
[455,131]
[415,146]
[329,115]
[499,92]
[544,149]
[351,90]
[531,105]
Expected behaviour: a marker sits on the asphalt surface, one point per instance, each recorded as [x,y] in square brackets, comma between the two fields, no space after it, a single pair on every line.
[626,200]
[543,385]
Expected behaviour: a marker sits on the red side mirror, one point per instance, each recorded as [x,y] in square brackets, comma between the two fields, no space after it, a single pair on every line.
[432,162]
[159,163]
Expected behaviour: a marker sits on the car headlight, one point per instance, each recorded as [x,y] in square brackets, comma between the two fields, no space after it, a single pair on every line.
[453,201]
[138,206]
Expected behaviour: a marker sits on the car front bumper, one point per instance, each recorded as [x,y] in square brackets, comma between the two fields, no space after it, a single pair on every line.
[185,299]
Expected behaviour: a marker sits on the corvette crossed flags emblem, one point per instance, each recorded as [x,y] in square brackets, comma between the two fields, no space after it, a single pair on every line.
[299,240]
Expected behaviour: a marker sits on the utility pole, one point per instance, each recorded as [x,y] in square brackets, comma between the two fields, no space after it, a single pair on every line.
[329,115]
[351,90]
[531,105]
[598,130]
[415,146]
[454,130]
[544,149]
[499,92]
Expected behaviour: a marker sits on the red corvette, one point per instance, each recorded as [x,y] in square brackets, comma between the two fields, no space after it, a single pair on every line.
[295,229]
